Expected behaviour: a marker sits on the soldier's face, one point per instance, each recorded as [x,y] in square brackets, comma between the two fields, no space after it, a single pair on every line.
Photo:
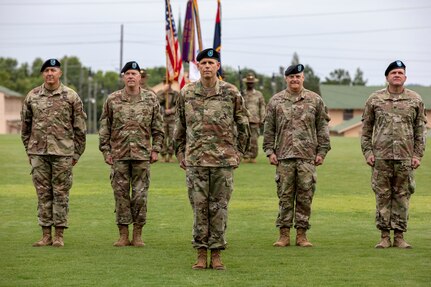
[208,68]
[250,85]
[396,77]
[295,82]
[131,78]
[51,76]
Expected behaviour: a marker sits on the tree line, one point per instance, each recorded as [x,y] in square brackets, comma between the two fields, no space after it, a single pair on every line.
[94,86]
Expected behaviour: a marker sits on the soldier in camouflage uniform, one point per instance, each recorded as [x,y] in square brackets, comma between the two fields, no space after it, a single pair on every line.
[255,104]
[208,149]
[393,143]
[53,132]
[296,140]
[130,119]
[143,82]
[168,99]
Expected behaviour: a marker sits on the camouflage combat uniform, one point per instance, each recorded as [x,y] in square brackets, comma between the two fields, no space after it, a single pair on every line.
[205,138]
[167,101]
[394,130]
[296,130]
[255,104]
[53,132]
[127,125]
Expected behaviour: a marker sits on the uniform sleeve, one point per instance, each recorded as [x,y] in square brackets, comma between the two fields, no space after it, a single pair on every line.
[157,132]
[105,123]
[180,128]
[174,102]
[269,129]
[322,130]
[79,128]
[242,124]
[26,122]
[367,129]
[162,100]
[420,131]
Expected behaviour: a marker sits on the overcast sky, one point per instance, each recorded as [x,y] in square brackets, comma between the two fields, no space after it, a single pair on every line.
[262,35]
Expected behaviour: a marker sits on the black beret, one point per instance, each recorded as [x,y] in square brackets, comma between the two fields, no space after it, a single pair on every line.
[294,69]
[143,73]
[50,63]
[130,66]
[208,53]
[395,65]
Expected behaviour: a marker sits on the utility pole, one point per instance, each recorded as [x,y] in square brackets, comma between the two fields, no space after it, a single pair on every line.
[65,71]
[89,110]
[121,46]
[95,107]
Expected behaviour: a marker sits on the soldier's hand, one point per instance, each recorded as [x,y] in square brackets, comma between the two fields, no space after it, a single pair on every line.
[319,160]
[74,161]
[108,160]
[273,159]
[415,162]
[154,157]
[371,160]
[183,164]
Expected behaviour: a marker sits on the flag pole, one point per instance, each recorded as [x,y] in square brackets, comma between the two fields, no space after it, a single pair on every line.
[198,24]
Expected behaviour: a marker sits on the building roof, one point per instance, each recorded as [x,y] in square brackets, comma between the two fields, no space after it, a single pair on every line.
[347,125]
[354,97]
[8,92]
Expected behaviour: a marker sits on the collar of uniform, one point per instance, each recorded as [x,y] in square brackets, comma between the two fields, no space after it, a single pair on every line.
[388,96]
[45,92]
[294,97]
[200,88]
[252,91]
[127,98]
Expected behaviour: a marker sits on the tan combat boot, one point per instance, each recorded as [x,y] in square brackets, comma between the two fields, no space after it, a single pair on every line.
[385,240]
[46,237]
[399,240]
[284,239]
[252,160]
[301,238]
[169,158]
[216,260]
[58,237]
[137,236]
[124,236]
[201,262]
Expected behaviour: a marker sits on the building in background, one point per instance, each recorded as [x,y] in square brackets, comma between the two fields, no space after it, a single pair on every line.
[10,110]
[346,105]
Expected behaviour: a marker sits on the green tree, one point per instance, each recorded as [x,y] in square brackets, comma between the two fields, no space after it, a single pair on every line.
[358,79]
[338,77]
[311,80]
[295,59]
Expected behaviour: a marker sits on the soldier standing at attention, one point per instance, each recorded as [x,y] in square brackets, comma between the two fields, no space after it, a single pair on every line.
[130,119]
[393,143]
[208,149]
[53,132]
[168,99]
[255,104]
[143,82]
[296,140]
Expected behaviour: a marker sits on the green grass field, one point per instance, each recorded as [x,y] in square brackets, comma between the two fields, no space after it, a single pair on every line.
[343,231]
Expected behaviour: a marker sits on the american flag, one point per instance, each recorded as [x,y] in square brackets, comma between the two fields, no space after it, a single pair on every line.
[174,63]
